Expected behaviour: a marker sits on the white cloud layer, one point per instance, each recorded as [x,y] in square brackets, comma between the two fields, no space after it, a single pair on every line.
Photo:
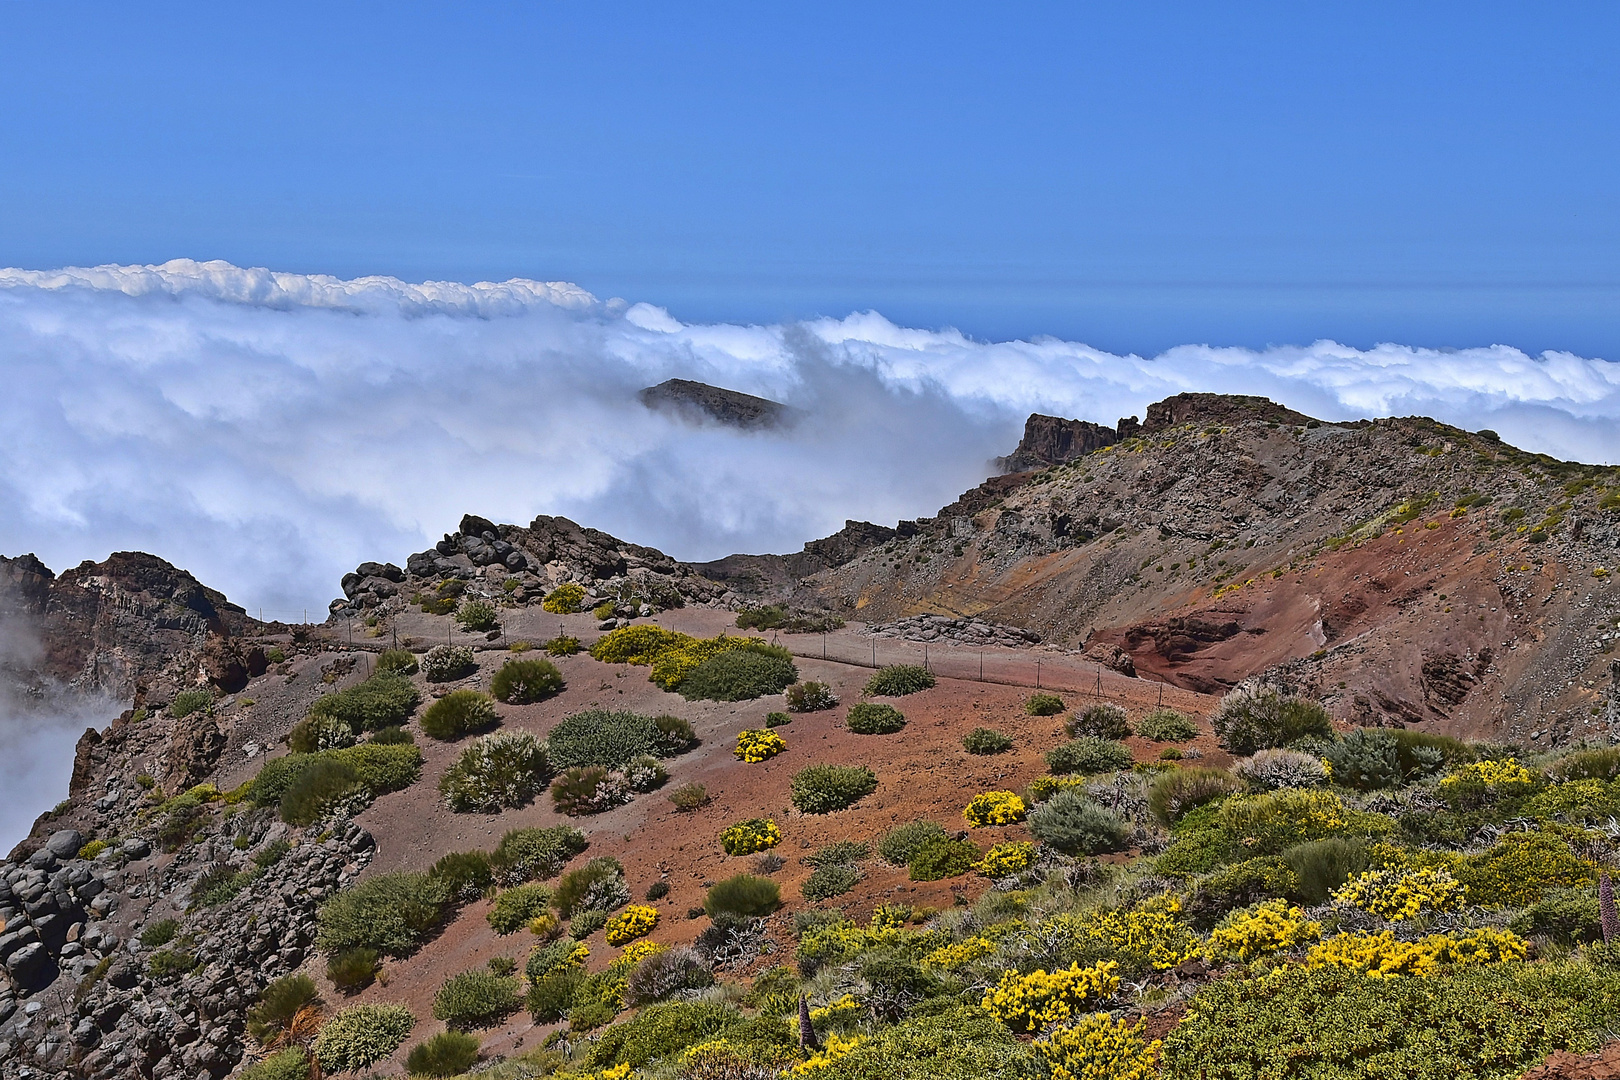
[268,431]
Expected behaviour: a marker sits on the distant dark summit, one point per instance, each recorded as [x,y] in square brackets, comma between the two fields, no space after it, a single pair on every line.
[1052,440]
[700,400]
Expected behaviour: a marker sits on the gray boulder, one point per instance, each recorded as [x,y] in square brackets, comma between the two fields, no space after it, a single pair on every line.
[65,843]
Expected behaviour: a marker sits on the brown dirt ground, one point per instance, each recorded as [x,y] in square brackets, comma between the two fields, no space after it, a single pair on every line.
[922,773]
[1563,1065]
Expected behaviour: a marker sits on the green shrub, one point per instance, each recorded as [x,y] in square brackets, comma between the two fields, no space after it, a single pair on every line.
[587,923]
[689,797]
[160,933]
[588,790]
[381,769]
[552,996]
[1564,916]
[656,891]
[1270,823]
[738,675]
[323,784]
[289,1064]
[943,1043]
[675,736]
[661,1032]
[362,1035]
[546,959]
[1324,865]
[392,736]
[565,599]
[608,739]
[271,853]
[984,741]
[777,719]
[870,718]
[562,645]
[278,1004]
[498,772]
[822,789]
[1601,763]
[810,697]
[475,999]
[1366,758]
[1075,825]
[839,853]
[898,680]
[187,702]
[525,854]
[938,859]
[352,970]
[466,875]
[514,907]
[523,682]
[1240,885]
[898,846]
[476,615]
[449,1053]
[1166,725]
[447,663]
[1253,718]
[829,881]
[167,965]
[314,733]
[457,713]
[1043,704]
[1178,791]
[392,913]
[744,896]
[384,700]
[1417,752]
[596,886]
[397,662]
[1088,754]
[1104,720]
[1490,1021]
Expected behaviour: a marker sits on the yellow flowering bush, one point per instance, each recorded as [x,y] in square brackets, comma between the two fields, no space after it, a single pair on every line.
[1148,936]
[994,808]
[747,837]
[633,954]
[838,942]
[720,1058]
[1037,1000]
[564,599]
[1264,928]
[1480,781]
[1004,859]
[1275,820]
[835,1047]
[758,744]
[1097,1047]
[1403,894]
[1382,957]
[891,916]
[1044,787]
[834,1011]
[612,1072]
[1520,868]
[958,953]
[635,921]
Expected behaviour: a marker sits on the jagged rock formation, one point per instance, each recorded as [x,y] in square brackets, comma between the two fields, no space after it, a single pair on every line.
[1052,440]
[700,402]
[768,575]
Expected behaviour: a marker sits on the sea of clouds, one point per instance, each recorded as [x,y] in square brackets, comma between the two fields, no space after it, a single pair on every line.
[268,431]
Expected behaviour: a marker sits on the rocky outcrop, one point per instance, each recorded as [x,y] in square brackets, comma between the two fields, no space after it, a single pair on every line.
[700,402]
[1052,440]
[957,631]
[1216,409]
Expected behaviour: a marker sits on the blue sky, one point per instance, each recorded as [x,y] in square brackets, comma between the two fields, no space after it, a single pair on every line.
[1133,176]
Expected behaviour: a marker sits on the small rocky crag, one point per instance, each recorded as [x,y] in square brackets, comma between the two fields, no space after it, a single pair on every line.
[955,631]
[700,402]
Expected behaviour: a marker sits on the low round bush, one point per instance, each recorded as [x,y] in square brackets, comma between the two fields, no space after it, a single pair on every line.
[1166,725]
[391,913]
[991,808]
[665,973]
[610,739]
[362,1035]
[738,675]
[637,920]
[1321,866]
[747,837]
[464,874]
[938,859]
[397,662]
[901,843]
[392,736]
[745,896]
[476,998]
[316,788]
[289,1064]
[552,996]
[447,663]
[565,599]
[1104,720]
[525,854]
[829,881]
[315,733]
[1269,770]
[1178,791]
[187,702]
[985,741]
[822,789]
[562,645]
[457,713]
[498,772]
[645,773]
[898,680]
[871,718]
[1076,825]
[352,970]
[449,1053]
[1088,754]
[596,886]
[810,697]
[523,682]
[588,790]
[689,797]
[1041,703]
[515,907]
[758,744]
[279,1006]
[387,699]
[1254,718]
[476,615]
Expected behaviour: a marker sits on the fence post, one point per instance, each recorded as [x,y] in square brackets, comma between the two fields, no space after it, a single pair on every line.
[925,656]
[874,652]
[824,644]
[981,665]
[1161,694]
[1037,673]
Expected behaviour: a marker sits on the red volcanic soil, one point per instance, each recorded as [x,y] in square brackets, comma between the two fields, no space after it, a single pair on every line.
[923,772]
[1563,1065]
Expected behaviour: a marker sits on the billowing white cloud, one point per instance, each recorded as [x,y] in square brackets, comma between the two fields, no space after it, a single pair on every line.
[268,431]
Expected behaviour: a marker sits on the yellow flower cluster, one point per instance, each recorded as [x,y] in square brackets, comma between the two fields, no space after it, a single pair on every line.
[612,1072]
[747,837]
[836,1010]
[635,921]
[1150,934]
[994,808]
[1264,928]
[633,954]
[1403,894]
[1520,868]
[891,916]
[757,744]
[1004,859]
[958,953]
[1276,820]
[1044,787]
[1099,1048]
[1037,1000]
[1504,777]
[564,599]
[719,1057]
[544,925]
[1382,957]
[836,1047]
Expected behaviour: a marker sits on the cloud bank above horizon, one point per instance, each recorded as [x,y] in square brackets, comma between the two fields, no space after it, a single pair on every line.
[268,431]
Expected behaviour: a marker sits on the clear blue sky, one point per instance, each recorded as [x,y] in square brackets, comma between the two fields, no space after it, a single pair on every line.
[1131,175]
